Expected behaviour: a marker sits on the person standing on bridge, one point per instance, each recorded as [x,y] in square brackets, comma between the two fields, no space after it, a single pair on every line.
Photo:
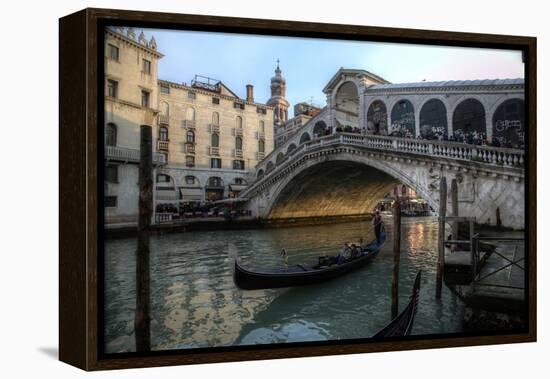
[377,223]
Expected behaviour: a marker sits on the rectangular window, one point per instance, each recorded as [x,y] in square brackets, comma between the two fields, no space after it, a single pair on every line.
[215,100]
[112,88]
[146,66]
[239,181]
[112,52]
[164,88]
[110,201]
[145,99]
[189,179]
[111,174]
[191,95]
[238,105]
[190,161]
[261,110]
[238,165]
[215,163]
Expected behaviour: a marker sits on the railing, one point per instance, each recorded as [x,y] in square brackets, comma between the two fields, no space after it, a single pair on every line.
[507,262]
[214,128]
[260,155]
[163,119]
[238,153]
[444,149]
[214,151]
[162,145]
[261,135]
[512,158]
[130,155]
[239,132]
[188,124]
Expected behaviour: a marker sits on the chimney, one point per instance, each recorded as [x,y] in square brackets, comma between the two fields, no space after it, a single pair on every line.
[250,93]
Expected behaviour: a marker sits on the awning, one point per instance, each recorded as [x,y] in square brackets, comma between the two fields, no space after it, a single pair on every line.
[231,200]
[191,194]
[237,187]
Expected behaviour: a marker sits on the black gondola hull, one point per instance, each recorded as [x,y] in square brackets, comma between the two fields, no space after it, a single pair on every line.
[301,276]
[250,280]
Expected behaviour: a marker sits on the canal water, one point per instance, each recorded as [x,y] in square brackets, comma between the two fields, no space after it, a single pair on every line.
[196,304]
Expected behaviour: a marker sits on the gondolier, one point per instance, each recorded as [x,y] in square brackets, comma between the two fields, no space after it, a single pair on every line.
[377,223]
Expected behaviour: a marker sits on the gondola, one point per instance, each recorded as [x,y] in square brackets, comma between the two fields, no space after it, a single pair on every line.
[403,323]
[300,275]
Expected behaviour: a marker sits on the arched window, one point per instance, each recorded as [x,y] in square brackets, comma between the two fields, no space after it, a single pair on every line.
[215,118]
[261,146]
[238,143]
[191,136]
[215,181]
[509,124]
[190,114]
[111,134]
[377,118]
[320,129]
[469,121]
[262,126]
[290,148]
[433,120]
[402,119]
[269,166]
[280,157]
[163,133]
[304,138]
[239,123]
[260,173]
[215,140]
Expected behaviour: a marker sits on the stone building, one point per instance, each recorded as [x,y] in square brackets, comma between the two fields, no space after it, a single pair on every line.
[212,139]
[278,100]
[131,100]
[303,112]
[206,140]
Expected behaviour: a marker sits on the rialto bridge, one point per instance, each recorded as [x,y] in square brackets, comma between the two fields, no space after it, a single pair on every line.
[373,135]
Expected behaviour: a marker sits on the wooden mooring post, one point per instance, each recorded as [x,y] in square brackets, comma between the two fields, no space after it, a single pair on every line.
[396,257]
[441,239]
[454,210]
[142,321]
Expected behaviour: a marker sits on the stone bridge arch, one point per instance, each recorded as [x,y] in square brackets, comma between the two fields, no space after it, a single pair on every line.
[344,184]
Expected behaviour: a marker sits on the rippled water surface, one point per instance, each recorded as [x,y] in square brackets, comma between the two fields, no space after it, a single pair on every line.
[195,303]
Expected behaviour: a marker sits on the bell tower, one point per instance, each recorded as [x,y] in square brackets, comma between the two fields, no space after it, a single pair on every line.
[278,100]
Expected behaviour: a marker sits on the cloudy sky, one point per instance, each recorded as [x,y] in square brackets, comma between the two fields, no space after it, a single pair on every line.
[308,64]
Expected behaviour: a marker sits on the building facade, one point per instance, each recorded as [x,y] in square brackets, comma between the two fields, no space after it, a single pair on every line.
[212,139]
[206,140]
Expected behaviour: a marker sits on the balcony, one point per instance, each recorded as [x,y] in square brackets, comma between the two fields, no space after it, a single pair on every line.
[239,132]
[214,128]
[261,135]
[214,151]
[121,154]
[188,124]
[162,145]
[190,148]
[163,120]
[260,155]
[238,153]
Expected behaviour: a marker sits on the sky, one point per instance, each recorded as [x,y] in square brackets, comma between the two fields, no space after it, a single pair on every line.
[308,64]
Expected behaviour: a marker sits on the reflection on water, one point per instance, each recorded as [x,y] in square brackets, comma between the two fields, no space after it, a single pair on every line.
[195,303]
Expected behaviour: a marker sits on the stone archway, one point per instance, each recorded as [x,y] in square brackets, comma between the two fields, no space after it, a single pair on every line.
[346,106]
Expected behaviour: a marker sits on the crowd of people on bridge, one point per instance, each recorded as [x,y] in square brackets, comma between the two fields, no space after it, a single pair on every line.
[469,137]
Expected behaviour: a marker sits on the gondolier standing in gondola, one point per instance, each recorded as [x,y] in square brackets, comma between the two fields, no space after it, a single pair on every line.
[285,258]
[377,223]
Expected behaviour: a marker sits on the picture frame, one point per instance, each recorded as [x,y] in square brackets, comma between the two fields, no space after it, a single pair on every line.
[80,156]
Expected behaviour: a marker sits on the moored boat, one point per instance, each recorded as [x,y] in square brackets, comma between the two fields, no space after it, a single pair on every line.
[300,275]
[402,325]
